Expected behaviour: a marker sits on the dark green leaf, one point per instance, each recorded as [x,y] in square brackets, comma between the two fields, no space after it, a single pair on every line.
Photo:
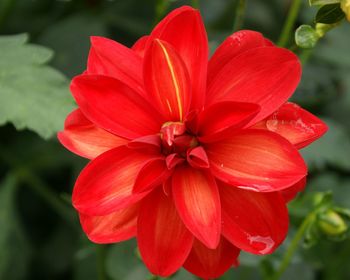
[32,94]
[329,14]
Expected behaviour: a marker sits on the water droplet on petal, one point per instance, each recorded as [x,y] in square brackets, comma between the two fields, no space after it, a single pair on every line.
[266,241]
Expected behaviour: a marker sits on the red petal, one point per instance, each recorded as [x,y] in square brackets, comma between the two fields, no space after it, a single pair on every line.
[115,107]
[115,227]
[257,160]
[291,192]
[83,138]
[254,222]
[140,45]
[167,81]
[110,58]
[221,119]
[170,130]
[105,184]
[233,46]
[266,76]
[197,157]
[197,200]
[152,174]
[208,263]
[163,239]
[173,160]
[151,142]
[184,30]
[295,124]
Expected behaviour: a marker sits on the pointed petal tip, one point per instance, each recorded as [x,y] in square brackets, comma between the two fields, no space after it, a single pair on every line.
[211,263]
[197,200]
[95,40]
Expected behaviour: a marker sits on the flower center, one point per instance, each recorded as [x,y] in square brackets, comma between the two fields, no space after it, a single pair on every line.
[175,139]
[179,145]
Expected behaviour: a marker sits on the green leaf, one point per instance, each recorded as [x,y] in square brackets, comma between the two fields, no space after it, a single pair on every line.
[329,14]
[322,2]
[14,248]
[330,149]
[306,37]
[32,94]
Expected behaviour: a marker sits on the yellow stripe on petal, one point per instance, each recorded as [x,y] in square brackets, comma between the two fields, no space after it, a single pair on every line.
[173,77]
[167,81]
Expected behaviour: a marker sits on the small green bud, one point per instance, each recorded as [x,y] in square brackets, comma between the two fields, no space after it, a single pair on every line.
[345,6]
[306,37]
[331,223]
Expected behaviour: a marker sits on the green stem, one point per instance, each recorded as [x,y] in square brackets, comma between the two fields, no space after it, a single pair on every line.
[293,246]
[39,187]
[101,253]
[239,17]
[289,23]
[304,56]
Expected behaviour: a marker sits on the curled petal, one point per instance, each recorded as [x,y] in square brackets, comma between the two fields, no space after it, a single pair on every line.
[233,46]
[267,76]
[184,30]
[85,139]
[170,130]
[109,58]
[166,80]
[295,124]
[163,239]
[211,263]
[254,222]
[173,160]
[105,184]
[197,157]
[115,227]
[115,107]
[197,200]
[221,119]
[256,160]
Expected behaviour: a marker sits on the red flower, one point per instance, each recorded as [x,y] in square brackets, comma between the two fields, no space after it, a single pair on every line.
[196,160]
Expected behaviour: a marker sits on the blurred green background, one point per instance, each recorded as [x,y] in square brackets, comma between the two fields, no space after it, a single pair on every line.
[40,236]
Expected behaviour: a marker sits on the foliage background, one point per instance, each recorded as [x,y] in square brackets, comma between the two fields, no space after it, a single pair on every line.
[40,236]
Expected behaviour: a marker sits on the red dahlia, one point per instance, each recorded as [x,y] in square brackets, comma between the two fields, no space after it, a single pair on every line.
[195,159]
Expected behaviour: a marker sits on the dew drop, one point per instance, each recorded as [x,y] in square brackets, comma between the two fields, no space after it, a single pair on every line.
[267,241]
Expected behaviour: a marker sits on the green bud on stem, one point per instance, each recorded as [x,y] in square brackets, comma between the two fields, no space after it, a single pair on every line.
[331,223]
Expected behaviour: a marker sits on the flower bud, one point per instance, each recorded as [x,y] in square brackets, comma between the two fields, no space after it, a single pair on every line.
[331,223]
[345,6]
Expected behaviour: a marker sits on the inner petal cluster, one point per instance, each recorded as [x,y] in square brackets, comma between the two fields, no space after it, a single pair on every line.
[180,145]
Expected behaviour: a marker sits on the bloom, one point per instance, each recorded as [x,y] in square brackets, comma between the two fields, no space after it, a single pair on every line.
[195,159]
